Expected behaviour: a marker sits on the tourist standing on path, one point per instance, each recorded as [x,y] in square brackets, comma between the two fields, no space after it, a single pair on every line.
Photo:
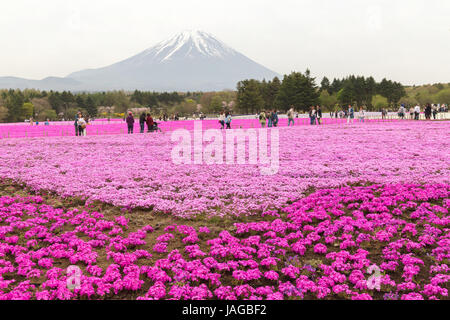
[150,122]
[401,112]
[319,114]
[228,121]
[416,112]
[362,114]
[262,119]
[411,113]
[312,115]
[274,118]
[350,114]
[270,118]
[435,111]
[290,115]
[142,119]
[81,125]
[77,130]
[428,112]
[222,120]
[130,122]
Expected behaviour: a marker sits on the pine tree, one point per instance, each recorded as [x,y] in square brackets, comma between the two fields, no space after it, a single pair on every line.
[91,108]
[249,97]
[299,90]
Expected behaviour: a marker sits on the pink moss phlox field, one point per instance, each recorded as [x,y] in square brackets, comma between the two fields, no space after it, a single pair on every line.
[320,247]
[119,126]
[136,171]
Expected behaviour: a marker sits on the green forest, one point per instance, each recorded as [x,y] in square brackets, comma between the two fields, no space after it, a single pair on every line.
[297,89]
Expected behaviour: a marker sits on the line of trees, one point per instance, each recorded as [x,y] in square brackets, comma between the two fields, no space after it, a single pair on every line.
[297,89]
[300,90]
[18,105]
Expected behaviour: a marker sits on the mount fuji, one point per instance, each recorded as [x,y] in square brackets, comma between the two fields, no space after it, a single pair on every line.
[189,61]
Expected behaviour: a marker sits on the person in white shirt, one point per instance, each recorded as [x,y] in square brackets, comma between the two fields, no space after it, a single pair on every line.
[416,112]
[401,112]
[222,120]
[82,125]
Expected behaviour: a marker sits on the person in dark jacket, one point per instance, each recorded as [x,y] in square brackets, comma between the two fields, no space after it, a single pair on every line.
[130,123]
[76,124]
[149,122]
[274,118]
[318,114]
[428,112]
[142,119]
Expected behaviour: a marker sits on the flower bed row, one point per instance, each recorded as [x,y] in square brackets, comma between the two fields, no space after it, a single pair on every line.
[137,171]
[372,242]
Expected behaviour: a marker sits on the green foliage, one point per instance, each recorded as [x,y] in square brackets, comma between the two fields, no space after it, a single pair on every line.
[299,90]
[185,108]
[379,102]
[71,113]
[91,108]
[27,110]
[249,96]
[14,103]
[443,96]
[328,101]
[325,85]
[393,91]
[3,113]
[269,92]
[48,114]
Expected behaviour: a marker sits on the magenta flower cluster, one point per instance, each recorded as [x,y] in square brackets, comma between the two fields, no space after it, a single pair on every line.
[319,247]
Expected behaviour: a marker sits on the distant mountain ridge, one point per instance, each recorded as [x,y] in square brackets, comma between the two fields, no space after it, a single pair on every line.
[191,60]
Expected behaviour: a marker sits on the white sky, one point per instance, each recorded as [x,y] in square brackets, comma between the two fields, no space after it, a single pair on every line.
[404,40]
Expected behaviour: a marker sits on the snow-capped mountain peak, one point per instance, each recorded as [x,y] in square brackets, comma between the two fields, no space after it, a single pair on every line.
[189,61]
[189,43]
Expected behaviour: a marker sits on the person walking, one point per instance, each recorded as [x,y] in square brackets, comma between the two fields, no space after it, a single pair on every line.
[149,121]
[416,112]
[318,114]
[428,111]
[274,118]
[350,114]
[142,121]
[82,124]
[228,121]
[290,115]
[262,119]
[270,119]
[435,111]
[401,112]
[130,122]
[411,113]
[312,115]
[362,114]
[77,130]
[222,120]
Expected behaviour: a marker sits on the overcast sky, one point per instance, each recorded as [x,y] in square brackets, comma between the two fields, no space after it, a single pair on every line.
[404,40]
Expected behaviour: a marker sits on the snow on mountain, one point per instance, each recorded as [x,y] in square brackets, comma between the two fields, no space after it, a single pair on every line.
[193,42]
[191,60]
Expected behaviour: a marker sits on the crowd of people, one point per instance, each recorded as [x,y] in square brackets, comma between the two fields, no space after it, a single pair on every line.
[144,119]
[270,118]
